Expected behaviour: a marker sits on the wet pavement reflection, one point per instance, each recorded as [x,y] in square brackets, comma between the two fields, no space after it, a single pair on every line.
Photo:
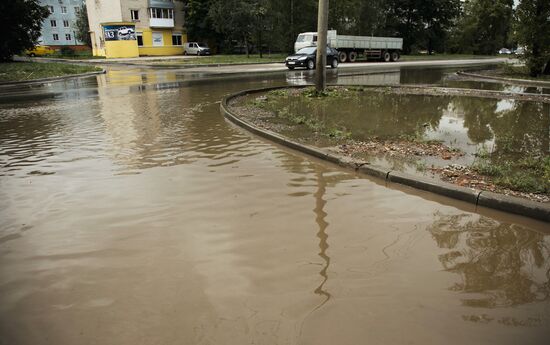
[131,212]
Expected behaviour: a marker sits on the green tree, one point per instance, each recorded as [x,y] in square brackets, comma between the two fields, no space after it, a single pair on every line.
[20,25]
[371,18]
[234,19]
[484,28]
[533,32]
[423,24]
[343,15]
[290,17]
[403,19]
[82,32]
[199,24]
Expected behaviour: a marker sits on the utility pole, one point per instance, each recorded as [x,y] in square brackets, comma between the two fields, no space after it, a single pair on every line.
[321,65]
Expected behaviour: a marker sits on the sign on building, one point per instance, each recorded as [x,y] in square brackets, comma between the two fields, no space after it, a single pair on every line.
[119,32]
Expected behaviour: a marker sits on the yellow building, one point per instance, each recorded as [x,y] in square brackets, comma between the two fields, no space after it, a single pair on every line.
[131,28]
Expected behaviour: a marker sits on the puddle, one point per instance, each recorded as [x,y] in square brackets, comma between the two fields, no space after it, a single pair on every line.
[469,124]
[495,86]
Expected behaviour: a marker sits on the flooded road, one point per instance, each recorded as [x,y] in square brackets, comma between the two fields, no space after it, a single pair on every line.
[131,212]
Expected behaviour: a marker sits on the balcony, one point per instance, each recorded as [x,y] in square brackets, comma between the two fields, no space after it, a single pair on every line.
[161,22]
[161,13]
[161,4]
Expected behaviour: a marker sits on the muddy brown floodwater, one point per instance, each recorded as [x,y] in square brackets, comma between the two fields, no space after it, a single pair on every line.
[132,213]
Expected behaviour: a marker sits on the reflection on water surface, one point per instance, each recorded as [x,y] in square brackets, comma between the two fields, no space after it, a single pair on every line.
[500,264]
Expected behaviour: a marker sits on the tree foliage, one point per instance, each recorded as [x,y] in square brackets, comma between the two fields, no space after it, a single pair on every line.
[484,27]
[199,24]
[82,32]
[533,33]
[234,19]
[20,25]
[470,26]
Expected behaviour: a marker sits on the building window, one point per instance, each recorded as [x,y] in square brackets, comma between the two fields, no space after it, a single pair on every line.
[77,10]
[53,23]
[60,1]
[50,8]
[67,37]
[176,40]
[134,14]
[66,23]
[55,37]
[63,9]
[139,37]
[161,13]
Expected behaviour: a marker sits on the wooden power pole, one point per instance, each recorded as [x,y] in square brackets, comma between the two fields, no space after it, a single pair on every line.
[321,65]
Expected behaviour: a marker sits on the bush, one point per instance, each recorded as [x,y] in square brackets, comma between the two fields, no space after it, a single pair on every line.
[67,51]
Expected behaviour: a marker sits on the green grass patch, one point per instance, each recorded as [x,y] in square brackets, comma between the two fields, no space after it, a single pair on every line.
[75,57]
[72,55]
[518,72]
[227,59]
[275,102]
[26,71]
[420,57]
[528,174]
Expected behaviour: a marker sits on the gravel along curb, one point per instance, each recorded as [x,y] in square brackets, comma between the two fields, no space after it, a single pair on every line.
[47,80]
[500,202]
[508,80]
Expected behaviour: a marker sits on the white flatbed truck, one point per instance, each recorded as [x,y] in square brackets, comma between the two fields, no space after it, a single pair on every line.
[351,47]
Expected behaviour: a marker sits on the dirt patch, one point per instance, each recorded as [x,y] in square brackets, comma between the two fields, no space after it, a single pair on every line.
[399,147]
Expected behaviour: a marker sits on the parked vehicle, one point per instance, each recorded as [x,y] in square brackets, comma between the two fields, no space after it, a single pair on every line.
[40,51]
[306,57]
[519,51]
[505,51]
[351,47]
[195,48]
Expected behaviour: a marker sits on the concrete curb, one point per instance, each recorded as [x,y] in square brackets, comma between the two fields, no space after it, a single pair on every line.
[500,202]
[512,204]
[447,189]
[52,79]
[508,80]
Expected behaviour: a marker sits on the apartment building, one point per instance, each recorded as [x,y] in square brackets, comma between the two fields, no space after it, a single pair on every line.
[130,28]
[59,28]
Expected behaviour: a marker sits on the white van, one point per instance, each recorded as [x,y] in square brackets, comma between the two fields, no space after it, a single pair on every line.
[195,48]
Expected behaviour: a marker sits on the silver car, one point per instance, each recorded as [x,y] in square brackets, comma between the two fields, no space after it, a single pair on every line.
[195,48]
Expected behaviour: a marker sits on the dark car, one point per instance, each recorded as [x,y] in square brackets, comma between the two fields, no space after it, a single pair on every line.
[305,57]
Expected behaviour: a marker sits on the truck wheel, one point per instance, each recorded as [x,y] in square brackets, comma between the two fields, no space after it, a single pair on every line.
[352,56]
[334,63]
[394,56]
[386,57]
[342,56]
[310,64]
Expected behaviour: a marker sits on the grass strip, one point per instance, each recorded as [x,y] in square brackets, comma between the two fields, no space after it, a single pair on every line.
[28,71]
